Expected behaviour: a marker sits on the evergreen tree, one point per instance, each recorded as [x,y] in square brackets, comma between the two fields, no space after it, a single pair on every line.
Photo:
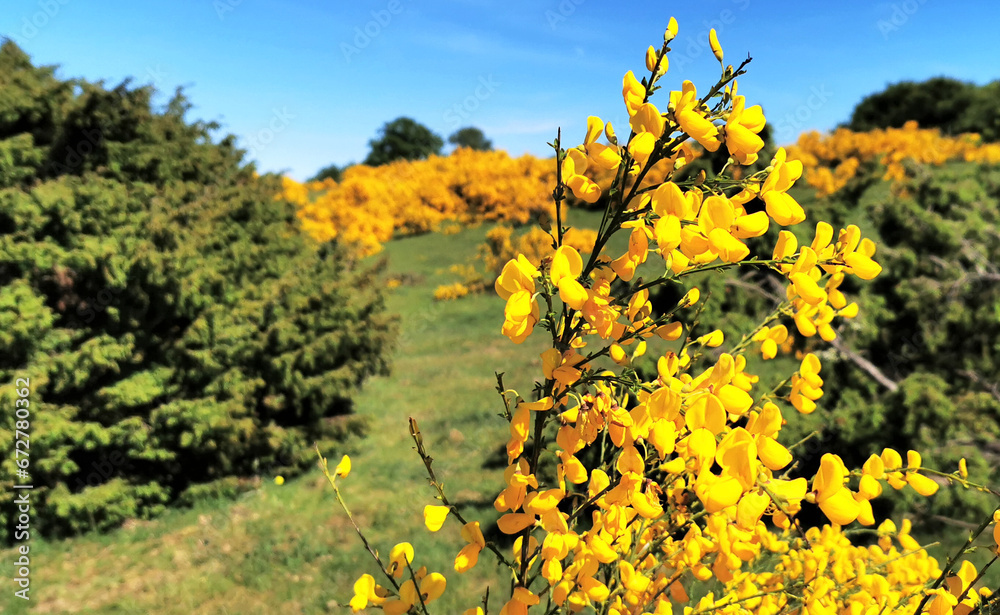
[177,328]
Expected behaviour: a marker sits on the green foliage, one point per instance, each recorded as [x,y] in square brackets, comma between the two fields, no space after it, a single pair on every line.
[918,368]
[176,326]
[471,137]
[951,105]
[403,139]
[930,324]
[328,172]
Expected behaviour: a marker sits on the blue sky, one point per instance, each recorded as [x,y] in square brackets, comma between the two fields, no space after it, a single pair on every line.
[305,83]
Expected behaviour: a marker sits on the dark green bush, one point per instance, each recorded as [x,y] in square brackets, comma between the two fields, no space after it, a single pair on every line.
[919,367]
[177,327]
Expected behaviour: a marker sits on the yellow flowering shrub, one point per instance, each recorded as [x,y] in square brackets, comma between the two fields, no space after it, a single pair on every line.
[833,160]
[451,291]
[372,204]
[662,485]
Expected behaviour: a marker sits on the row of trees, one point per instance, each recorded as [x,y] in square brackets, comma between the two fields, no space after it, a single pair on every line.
[406,139]
[949,104]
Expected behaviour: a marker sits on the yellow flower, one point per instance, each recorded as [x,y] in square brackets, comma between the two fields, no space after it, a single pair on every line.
[633,92]
[713,42]
[512,523]
[742,127]
[671,32]
[399,557]
[432,587]
[833,498]
[469,554]
[434,516]
[343,468]
[516,284]
[647,118]
[279,480]
[693,122]
[566,267]
[782,208]
[770,338]
[364,592]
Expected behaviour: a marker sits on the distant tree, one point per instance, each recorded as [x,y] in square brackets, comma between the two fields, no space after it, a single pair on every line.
[948,104]
[403,139]
[472,138]
[329,172]
[983,114]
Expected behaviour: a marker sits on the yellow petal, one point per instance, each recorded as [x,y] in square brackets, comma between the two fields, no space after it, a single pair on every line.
[651,58]
[512,523]
[807,288]
[669,35]
[434,516]
[841,508]
[713,41]
[922,484]
[721,494]
[772,453]
[573,293]
[566,263]
[641,146]
[729,248]
[433,586]
[472,534]
[750,509]
[583,188]
[343,468]
[862,266]
[734,400]
[363,588]
[594,128]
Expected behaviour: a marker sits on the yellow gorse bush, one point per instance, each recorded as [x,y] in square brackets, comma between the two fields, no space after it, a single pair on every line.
[660,484]
[833,160]
[372,204]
